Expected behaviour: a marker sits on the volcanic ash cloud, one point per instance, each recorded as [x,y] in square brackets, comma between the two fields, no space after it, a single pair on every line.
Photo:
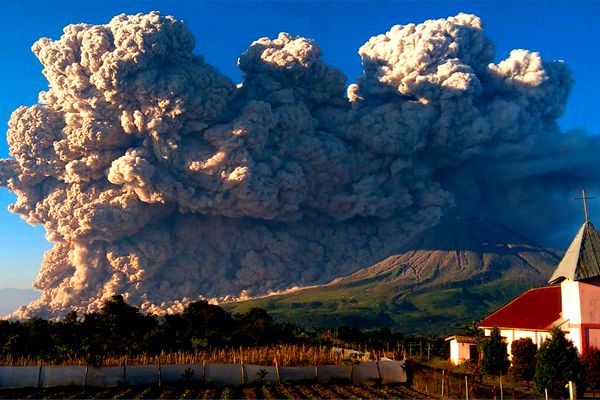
[157,177]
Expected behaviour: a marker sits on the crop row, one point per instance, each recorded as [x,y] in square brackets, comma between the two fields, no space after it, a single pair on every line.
[281,391]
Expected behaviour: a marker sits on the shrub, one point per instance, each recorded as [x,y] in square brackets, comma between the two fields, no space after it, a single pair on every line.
[591,365]
[523,353]
[495,357]
[557,363]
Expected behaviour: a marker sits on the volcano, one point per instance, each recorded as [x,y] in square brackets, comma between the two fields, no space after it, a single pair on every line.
[457,271]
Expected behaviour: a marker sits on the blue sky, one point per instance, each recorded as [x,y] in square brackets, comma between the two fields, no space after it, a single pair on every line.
[558,30]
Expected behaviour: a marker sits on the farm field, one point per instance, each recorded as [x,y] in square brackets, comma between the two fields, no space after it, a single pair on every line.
[281,391]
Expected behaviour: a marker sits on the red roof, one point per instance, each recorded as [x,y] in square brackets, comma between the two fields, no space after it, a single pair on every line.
[536,309]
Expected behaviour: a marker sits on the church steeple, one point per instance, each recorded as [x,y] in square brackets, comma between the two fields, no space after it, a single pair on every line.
[582,259]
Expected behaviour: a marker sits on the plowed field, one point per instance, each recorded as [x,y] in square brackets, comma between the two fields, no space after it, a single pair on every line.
[282,391]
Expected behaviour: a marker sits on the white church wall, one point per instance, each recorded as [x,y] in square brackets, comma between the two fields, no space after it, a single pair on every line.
[510,335]
[574,334]
[593,337]
[571,309]
[589,293]
[541,337]
[581,307]
[537,337]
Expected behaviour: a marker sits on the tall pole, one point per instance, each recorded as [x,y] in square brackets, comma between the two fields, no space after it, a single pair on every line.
[585,213]
[584,198]
[443,381]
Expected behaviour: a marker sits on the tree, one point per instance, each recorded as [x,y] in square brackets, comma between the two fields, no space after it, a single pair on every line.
[591,365]
[523,359]
[557,363]
[206,324]
[117,329]
[495,358]
[255,327]
[471,329]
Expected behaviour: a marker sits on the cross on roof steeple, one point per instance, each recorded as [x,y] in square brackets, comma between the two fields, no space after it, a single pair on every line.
[582,259]
[584,198]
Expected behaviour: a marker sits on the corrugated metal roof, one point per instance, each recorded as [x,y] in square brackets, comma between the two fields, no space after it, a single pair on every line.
[582,259]
[536,309]
[461,338]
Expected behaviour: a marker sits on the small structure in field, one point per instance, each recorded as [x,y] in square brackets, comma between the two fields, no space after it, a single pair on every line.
[462,348]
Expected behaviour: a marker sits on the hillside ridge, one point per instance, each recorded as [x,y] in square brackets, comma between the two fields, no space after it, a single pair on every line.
[454,272]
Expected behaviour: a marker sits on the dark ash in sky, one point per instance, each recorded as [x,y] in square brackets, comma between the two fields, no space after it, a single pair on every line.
[157,177]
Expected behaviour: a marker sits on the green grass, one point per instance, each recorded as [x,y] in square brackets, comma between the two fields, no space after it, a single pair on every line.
[373,304]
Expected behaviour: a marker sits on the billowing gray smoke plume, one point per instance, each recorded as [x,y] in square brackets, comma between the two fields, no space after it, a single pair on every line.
[157,177]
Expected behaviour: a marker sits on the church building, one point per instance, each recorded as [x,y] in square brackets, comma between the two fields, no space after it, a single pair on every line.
[571,301]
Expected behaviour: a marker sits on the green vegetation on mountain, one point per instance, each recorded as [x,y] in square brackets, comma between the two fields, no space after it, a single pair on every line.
[457,271]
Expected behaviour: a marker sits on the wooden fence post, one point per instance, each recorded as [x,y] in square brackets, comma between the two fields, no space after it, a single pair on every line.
[277,371]
[443,381]
[85,375]
[572,391]
[159,373]
[39,383]
[243,373]
[125,371]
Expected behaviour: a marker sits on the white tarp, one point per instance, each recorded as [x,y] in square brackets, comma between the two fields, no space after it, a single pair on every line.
[172,373]
[392,372]
[326,373]
[365,372]
[62,376]
[105,376]
[223,374]
[141,375]
[253,373]
[18,377]
[218,374]
[295,374]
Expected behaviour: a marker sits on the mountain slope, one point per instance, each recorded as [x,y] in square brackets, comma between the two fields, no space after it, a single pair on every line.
[455,272]
[11,299]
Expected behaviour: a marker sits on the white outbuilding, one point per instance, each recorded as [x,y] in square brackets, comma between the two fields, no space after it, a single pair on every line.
[462,348]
